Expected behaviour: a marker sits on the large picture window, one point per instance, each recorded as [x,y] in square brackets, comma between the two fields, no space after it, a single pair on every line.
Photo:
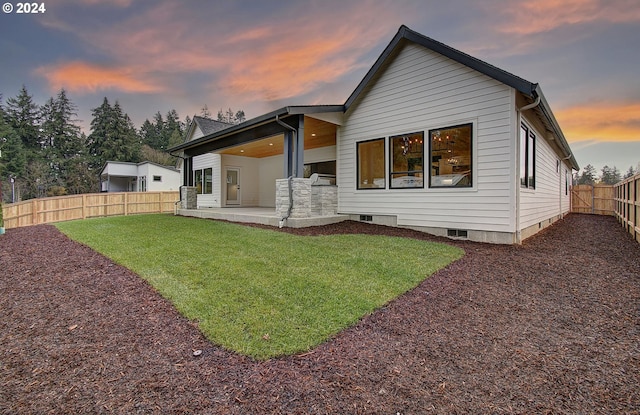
[203,181]
[450,155]
[371,170]
[407,160]
[527,157]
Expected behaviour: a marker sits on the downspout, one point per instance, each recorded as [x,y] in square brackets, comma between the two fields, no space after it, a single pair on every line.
[529,106]
[524,108]
[290,178]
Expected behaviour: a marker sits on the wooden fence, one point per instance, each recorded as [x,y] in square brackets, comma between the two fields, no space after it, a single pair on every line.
[627,203]
[597,199]
[62,208]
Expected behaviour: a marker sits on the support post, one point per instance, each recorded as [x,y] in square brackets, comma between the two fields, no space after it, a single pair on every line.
[299,149]
[288,153]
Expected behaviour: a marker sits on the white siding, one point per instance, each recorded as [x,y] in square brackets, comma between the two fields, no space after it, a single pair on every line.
[421,90]
[197,133]
[205,161]
[169,179]
[249,183]
[548,198]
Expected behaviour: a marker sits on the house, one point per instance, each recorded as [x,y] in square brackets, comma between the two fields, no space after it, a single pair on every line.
[431,139]
[118,176]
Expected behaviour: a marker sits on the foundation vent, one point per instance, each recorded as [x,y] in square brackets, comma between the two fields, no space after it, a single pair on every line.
[366,218]
[457,233]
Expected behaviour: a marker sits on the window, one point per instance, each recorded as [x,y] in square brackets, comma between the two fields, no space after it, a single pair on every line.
[142,183]
[157,178]
[527,157]
[450,155]
[197,181]
[407,160]
[203,181]
[324,167]
[371,170]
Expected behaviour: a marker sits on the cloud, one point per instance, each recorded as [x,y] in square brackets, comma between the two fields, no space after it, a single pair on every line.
[283,54]
[526,18]
[82,77]
[601,121]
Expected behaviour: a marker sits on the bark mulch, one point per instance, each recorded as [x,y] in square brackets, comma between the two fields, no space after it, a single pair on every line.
[551,326]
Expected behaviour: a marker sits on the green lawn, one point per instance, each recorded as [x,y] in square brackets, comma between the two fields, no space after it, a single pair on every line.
[261,292]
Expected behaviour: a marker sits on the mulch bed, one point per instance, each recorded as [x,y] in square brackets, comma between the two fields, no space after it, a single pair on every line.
[551,326]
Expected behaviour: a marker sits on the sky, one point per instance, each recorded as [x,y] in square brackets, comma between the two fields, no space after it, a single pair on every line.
[257,56]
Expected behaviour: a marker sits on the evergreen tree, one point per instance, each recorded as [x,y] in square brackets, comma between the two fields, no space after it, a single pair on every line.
[231,117]
[113,136]
[23,115]
[149,134]
[629,173]
[588,175]
[12,158]
[610,175]
[63,144]
[204,112]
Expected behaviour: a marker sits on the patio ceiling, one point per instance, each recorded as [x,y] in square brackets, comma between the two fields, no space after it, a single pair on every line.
[317,134]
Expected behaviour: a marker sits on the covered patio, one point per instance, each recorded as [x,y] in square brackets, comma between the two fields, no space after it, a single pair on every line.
[260,171]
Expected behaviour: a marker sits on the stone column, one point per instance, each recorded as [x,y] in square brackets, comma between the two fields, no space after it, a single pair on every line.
[188,197]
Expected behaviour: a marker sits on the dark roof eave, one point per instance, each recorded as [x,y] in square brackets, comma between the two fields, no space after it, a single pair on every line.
[545,108]
[285,111]
[404,32]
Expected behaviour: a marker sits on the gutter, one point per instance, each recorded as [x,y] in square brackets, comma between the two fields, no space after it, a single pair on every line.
[290,178]
[532,105]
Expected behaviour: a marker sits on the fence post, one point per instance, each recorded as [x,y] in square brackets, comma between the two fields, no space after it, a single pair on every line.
[34,212]
[126,204]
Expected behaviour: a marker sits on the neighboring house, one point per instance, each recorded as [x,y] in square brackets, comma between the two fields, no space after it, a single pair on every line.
[118,176]
[431,139]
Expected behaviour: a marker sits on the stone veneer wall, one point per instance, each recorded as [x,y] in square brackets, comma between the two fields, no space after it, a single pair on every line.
[324,200]
[308,200]
[188,197]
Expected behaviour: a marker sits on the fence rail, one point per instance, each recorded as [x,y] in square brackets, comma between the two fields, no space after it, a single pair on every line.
[627,204]
[596,199]
[63,208]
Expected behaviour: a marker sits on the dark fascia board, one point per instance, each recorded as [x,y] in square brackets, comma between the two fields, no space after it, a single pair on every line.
[404,32]
[255,122]
[545,108]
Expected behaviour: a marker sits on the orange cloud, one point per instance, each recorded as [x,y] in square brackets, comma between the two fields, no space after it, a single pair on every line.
[82,77]
[530,17]
[606,122]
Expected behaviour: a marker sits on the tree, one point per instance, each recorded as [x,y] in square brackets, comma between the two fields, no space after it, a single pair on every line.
[162,133]
[629,173]
[231,117]
[588,175]
[12,155]
[113,136]
[204,112]
[610,175]
[61,139]
[24,116]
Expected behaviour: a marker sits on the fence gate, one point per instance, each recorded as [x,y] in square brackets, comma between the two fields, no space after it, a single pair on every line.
[597,199]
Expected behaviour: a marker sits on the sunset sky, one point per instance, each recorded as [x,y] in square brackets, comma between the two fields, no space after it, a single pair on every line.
[157,55]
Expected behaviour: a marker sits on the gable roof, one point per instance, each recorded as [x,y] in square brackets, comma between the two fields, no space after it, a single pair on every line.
[209,126]
[529,89]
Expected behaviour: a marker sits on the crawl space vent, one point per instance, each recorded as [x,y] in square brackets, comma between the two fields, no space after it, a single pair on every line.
[457,233]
